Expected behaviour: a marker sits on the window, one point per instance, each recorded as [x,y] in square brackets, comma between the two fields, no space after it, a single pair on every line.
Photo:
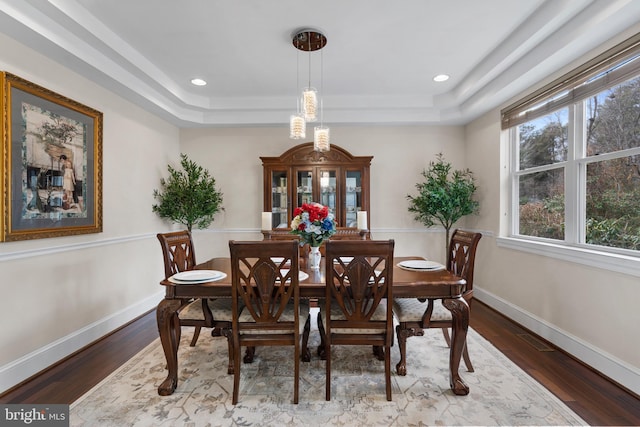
[575,163]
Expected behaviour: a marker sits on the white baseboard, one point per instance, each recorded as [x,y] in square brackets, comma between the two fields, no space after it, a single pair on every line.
[34,362]
[619,371]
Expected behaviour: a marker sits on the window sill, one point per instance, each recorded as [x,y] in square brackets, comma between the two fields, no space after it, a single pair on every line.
[608,261]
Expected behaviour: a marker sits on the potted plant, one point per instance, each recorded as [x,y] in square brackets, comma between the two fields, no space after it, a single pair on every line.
[188,196]
[444,196]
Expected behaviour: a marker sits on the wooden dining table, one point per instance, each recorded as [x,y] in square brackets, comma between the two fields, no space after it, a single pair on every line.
[427,284]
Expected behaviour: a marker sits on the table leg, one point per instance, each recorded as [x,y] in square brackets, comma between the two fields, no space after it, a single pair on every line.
[169,329]
[460,314]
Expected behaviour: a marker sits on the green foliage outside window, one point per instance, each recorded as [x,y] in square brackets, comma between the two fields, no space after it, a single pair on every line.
[612,204]
[188,196]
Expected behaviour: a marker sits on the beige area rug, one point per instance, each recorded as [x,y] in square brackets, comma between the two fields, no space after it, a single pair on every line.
[501,393]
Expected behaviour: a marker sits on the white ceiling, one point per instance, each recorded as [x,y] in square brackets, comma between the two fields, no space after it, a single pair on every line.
[378,63]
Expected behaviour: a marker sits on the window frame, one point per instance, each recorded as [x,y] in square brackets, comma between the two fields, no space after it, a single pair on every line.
[570,91]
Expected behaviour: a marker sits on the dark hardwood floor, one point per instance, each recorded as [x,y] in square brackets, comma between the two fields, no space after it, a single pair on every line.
[597,400]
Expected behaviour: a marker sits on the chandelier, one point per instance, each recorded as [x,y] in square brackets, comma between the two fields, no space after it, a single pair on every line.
[309,40]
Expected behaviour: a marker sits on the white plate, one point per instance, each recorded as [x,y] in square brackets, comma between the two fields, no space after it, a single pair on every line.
[277,259]
[344,259]
[420,265]
[197,276]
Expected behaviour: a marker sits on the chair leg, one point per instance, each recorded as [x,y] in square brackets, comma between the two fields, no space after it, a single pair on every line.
[327,354]
[387,371]
[296,369]
[306,354]
[378,352]
[401,333]
[467,360]
[227,333]
[321,347]
[447,338]
[196,334]
[249,353]
[236,371]
[178,333]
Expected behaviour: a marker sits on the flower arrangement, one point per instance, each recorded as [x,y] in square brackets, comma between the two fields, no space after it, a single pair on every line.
[313,223]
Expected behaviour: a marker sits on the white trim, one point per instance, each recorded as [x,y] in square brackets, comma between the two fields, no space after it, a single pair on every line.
[29,253]
[9,256]
[20,369]
[620,263]
[617,370]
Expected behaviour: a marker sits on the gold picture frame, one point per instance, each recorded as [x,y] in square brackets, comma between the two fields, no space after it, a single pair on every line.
[51,164]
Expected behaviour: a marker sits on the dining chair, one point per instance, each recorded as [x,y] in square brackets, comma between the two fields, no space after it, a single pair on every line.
[414,315]
[265,296]
[342,233]
[357,307]
[179,255]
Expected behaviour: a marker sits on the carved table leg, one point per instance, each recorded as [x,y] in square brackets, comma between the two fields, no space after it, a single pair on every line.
[460,313]
[169,329]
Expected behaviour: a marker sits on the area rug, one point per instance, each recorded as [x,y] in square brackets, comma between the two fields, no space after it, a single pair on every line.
[500,392]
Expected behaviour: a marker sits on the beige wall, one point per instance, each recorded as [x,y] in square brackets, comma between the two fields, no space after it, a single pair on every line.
[60,294]
[400,154]
[581,308]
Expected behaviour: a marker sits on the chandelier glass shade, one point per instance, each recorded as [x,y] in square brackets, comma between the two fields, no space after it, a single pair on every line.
[297,126]
[310,104]
[321,138]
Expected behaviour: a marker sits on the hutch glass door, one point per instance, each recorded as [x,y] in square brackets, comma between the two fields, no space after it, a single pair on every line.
[279,199]
[353,197]
[328,191]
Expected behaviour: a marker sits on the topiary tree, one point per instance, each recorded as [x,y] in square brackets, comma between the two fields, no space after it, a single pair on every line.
[188,197]
[444,197]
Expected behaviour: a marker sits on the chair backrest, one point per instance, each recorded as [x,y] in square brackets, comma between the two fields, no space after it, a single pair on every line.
[462,255]
[264,280]
[178,252]
[359,275]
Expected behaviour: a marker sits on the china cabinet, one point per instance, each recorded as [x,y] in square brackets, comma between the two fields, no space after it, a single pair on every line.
[300,175]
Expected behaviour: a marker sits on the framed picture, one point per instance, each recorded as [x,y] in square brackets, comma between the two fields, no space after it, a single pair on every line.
[51,163]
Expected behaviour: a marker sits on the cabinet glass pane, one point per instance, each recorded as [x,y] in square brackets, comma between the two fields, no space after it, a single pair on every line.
[353,197]
[328,190]
[279,199]
[304,180]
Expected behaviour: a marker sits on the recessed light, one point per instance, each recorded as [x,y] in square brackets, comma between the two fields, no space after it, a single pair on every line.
[198,82]
[441,78]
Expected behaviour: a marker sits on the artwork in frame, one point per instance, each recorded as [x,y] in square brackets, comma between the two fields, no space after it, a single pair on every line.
[51,163]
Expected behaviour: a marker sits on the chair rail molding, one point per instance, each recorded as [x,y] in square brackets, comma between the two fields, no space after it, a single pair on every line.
[29,253]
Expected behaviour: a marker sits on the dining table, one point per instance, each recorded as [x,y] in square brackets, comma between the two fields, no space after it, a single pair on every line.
[407,283]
